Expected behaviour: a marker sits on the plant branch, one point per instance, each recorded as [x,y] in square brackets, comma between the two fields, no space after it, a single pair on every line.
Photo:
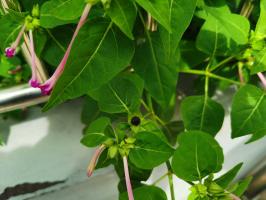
[170,179]
[211,75]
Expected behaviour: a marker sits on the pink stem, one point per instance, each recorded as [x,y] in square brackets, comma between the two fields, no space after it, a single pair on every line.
[34,82]
[234,197]
[17,41]
[127,177]
[262,78]
[94,160]
[63,62]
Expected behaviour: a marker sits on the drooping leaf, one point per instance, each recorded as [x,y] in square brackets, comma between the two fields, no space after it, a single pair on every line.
[242,186]
[146,192]
[149,151]
[90,110]
[59,12]
[248,112]
[123,13]
[156,59]
[202,113]
[159,10]
[99,53]
[228,177]
[122,94]
[95,133]
[197,156]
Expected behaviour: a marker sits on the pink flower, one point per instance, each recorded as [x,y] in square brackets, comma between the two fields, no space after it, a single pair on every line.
[11,51]
[34,79]
[94,160]
[127,177]
[47,87]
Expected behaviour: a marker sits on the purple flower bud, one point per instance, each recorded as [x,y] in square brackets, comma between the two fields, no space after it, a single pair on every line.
[46,88]
[263,79]
[10,52]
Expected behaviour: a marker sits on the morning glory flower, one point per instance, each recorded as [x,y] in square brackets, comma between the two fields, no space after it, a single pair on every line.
[94,160]
[127,177]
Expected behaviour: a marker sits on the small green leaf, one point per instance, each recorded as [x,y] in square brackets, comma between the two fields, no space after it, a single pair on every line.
[242,186]
[197,156]
[149,151]
[123,13]
[159,10]
[90,110]
[59,12]
[228,177]
[260,30]
[248,112]
[202,113]
[147,193]
[95,133]
[122,94]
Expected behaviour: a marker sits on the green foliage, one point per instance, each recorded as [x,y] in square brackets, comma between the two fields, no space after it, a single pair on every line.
[128,64]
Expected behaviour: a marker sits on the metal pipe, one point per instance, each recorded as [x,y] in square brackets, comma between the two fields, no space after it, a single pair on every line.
[20,97]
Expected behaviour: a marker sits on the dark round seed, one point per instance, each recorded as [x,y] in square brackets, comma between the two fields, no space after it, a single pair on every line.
[135,121]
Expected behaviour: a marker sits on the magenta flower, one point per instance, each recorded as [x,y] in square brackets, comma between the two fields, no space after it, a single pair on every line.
[47,87]
[262,78]
[94,160]
[34,79]
[11,51]
[127,177]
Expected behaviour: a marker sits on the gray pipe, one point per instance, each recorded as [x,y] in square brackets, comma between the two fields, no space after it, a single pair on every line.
[20,97]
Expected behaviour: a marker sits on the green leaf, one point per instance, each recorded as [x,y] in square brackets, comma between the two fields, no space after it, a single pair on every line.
[149,151]
[197,156]
[159,10]
[242,186]
[260,61]
[222,32]
[99,53]
[122,94]
[202,113]
[123,13]
[146,192]
[95,133]
[156,60]
[248,112]
[9,30]
[228,177]
[90,110]
[59,12]
[260,30]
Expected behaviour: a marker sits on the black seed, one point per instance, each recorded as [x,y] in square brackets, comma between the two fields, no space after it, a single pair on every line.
[135,121]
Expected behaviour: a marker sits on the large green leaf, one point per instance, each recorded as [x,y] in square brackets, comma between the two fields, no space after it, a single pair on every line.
[95,133]
[9,30]
[222,32]
[202,113]
[159,10]
[149,151]
[260,30]
[122,94]
[248,112]
[197,156]
[123,14]
[147,193]
[156,59]
[99,53]
[59,12]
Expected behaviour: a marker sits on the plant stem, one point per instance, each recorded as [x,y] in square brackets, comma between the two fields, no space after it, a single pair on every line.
[170,179]
[263,79]
[222,63]
[211,75]
[127,177]
[161,178]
